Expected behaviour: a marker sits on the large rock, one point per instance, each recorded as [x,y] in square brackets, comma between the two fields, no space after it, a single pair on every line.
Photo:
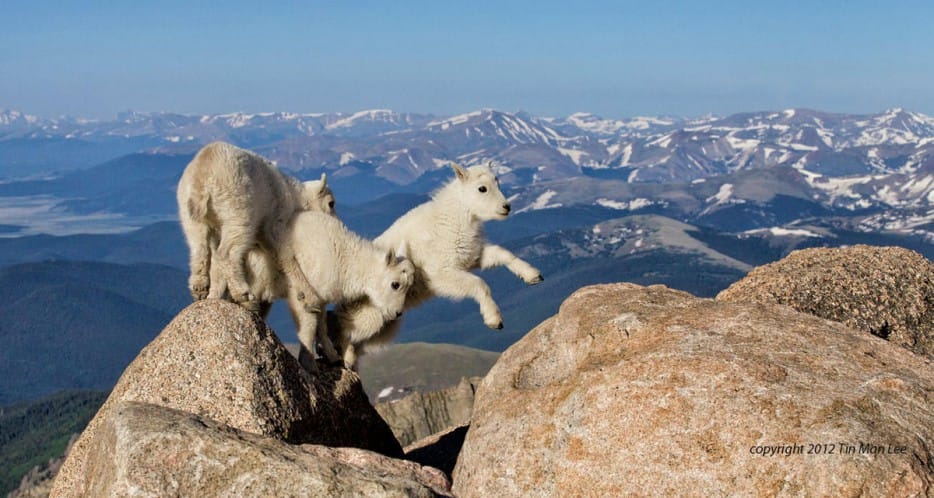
[147,450]
[642,391]
[420,415]
[218,361]
[886,291]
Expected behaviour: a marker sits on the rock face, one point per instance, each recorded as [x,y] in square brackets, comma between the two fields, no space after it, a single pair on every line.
[147,450]
[886,291]
[220,362]
[648,391]
[420,415]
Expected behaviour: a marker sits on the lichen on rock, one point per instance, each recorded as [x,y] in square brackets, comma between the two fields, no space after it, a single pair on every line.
[885,291]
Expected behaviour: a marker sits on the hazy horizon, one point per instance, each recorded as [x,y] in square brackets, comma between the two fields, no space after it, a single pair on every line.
[116,115]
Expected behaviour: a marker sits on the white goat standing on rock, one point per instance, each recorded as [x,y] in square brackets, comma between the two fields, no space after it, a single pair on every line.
[340,266]
[445,241]
[230,201]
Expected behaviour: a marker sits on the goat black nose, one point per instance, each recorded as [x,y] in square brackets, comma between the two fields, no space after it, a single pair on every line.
[507,207]
[398,314]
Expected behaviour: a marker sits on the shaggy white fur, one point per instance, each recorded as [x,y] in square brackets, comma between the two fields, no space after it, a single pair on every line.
[231,200]
[341,267]
[445,241]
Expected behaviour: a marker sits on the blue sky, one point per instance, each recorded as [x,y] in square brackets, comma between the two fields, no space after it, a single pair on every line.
[615,59]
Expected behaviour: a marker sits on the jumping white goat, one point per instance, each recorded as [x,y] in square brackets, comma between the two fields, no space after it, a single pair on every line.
[231,200]
[445,241]
[342,267]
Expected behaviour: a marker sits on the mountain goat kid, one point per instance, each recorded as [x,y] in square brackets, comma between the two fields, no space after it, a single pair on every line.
[229,201]
[445,241]
[341,266]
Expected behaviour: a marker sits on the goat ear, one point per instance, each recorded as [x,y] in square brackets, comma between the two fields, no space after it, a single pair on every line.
[459,171]
[324,180]
[390,257]
[402,250]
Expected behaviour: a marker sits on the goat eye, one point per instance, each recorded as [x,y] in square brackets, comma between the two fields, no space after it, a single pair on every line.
[331,204]
[395,286]
[482,189]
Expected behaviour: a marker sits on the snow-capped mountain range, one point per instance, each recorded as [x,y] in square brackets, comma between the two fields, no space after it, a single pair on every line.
[879,167]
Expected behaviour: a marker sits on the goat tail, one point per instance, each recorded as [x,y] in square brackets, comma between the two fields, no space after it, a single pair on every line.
[198,205]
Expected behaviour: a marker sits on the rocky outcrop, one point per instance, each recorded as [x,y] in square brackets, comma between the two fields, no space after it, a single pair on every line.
[886,291]
[444,413]
[147,450]
[217,361]
[648,391]
[420,415]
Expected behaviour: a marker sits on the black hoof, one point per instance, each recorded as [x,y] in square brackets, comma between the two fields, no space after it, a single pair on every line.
[334,364]
[252,306]
[199,293]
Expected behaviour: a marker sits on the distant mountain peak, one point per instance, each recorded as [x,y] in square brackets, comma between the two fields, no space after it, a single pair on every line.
[12,117]
[385,116]
[455,120]
[886,158]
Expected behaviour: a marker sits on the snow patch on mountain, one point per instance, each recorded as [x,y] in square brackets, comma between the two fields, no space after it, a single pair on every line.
[911,223]
[596,125]
[783,232]
[460,119]
[396,156]
[838,188]
[723,195]
[238,120]
[371,115]
[632,205]
[574,155]
[543,201]
[742,143]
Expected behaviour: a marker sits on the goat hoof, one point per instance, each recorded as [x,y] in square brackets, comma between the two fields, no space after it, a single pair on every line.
[310,366]
[246,297]
[199,287]
[310,308]
[253,306]
[496,326]
[537,280]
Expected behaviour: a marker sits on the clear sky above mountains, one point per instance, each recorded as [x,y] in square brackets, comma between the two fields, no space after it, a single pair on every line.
[615,59]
